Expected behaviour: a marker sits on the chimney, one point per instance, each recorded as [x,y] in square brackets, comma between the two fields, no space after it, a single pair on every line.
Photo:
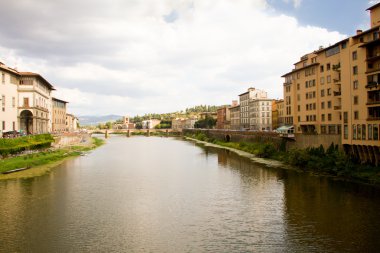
[359,32]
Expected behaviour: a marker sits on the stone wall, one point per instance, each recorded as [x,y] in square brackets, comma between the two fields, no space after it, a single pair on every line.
[69,139]
[303,141]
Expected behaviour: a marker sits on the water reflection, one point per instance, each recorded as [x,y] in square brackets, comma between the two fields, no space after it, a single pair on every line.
[165,195]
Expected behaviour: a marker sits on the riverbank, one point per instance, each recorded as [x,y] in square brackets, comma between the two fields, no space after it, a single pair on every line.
[331,163]
[43,161]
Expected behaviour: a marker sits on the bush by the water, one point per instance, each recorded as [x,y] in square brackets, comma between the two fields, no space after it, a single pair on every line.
[32,142]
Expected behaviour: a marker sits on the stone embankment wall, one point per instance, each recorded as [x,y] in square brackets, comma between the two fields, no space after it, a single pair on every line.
[69,139]
[301,141]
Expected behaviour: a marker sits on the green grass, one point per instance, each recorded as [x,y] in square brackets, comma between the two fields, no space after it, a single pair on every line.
[17,145]
[45,157]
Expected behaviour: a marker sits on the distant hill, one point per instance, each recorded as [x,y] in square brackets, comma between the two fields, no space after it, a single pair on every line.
[94,120]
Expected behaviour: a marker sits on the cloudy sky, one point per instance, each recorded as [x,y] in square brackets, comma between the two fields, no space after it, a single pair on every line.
[132,57]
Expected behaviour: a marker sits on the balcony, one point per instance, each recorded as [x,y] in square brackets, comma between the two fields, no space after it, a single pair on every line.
[338,107]
[372,84]
[337,93]
[373,118]
[336,67]
[373,102]
[373,57]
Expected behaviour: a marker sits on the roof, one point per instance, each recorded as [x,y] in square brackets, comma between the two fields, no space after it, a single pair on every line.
[296,70]
[244,93]
[38,76]
[373,7]
[366,31]
[59,100]
[8,69]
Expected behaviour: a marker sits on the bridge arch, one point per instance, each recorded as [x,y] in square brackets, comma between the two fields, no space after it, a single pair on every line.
[227,138]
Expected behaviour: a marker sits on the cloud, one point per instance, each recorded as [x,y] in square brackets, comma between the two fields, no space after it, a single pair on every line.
[154,56]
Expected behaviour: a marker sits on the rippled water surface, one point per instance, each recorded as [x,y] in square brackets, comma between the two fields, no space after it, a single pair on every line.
[154,194]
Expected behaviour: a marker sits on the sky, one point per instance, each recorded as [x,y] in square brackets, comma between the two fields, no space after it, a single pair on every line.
[131,57]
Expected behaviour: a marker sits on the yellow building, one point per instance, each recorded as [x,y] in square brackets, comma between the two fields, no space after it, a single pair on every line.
[277,113]
[336,90]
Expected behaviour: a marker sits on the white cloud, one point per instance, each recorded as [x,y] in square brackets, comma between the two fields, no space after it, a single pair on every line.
[127,57]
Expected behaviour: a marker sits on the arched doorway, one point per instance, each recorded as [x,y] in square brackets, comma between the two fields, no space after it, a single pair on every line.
[227,138]
[26,121]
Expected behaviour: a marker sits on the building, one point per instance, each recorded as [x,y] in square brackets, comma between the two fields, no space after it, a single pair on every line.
[179,124]
[61,122]
[34,103]
[260,114]
[150,124]
[277,113]
[244,99]
[71,123]
[235,117]
[223,118]
[189,123]
[336,90]
[8,98]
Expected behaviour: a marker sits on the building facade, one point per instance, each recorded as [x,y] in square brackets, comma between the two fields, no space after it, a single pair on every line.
[260,114]
[34,103]
[277,113]
[61,123]
[71,123]
[235,117]
[8,99]
[223,120]
[244,99]
[336,90]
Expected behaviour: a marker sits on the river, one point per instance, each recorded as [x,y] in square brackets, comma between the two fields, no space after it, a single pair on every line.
[157,194]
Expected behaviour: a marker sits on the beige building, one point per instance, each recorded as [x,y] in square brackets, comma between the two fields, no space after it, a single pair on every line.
[59,124]
[34,103]
[235,117]
[244,99]
[178,124]
[336,90]
[71,123]
[260,114]
[10,79]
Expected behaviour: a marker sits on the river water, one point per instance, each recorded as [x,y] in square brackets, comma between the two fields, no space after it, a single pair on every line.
[156,194]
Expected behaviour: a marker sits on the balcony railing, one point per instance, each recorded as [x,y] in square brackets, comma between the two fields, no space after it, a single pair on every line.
[372,84]
[372,118]
[373,102]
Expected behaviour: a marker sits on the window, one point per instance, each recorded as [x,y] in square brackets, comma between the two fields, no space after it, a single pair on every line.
[26,102]
[345,129]
[344,45]
[298,86]
[363,132]
[3,102]
[299,108]
[298,75]
[3,78]
[356,114]
[321,68]
[356,84]
[329,92]
[354,132]
[354,55]
[355,70]
[323,117]
[356,100]
[328,66]
[359,133]
[322,80]
[299,118]
[328,79]
[13,102]
[369,132]
[322,93]
[323,105]
[323,129]
[328,104]
[298,97]
[329,117]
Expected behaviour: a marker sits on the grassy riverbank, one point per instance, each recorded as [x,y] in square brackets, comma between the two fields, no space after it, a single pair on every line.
[38,160]
[329,162]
